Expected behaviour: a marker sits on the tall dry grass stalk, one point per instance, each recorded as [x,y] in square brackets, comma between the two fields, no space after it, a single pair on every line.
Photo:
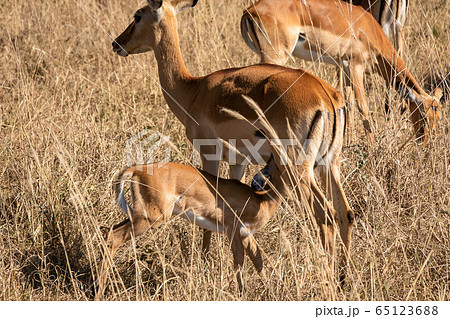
[68,105]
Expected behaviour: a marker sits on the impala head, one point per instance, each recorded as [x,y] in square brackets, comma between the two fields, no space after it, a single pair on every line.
[432,109]
[144,33]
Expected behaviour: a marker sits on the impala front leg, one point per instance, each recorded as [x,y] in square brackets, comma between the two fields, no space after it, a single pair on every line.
[349,99]
[211,167]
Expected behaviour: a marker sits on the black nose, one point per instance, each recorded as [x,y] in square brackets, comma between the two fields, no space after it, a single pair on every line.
[115,46]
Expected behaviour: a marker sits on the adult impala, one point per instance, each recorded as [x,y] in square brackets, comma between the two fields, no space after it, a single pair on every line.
[340,34]
[390,15]
[290,100]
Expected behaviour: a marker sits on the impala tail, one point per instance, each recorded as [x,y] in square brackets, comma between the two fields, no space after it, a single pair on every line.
[119,185]
[338,135]
[330,150]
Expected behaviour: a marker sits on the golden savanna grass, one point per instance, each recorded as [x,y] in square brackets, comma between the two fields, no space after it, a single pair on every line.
[68,105]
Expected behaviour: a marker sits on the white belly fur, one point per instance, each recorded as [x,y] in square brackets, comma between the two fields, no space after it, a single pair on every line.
[310,55]
[199,221]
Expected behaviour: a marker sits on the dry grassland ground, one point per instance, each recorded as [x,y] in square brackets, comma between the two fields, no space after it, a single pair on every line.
[68,104]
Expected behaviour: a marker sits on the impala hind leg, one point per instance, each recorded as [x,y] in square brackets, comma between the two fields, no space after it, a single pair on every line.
[350,113]
[118,235]
[252,249]
[326,218]
[349,96]
[237,249]
[331,181]
[206,241]
[398,34]
[357,81]
[308,192]
[299,174]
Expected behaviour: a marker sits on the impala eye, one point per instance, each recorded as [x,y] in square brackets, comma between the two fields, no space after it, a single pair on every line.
[137,18]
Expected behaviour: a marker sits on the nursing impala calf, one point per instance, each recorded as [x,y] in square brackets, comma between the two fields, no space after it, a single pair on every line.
[340,34]
[226,206]
[289,99]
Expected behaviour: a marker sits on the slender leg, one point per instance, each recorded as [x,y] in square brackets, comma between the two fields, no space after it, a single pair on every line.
[331,180]
[119,234]
[324,214]
[206,241]
[357,81]
[300,176]
[398,35]
[211,167]
[341,78]
[349,100]
[254,253]
[238,254]
[350,110]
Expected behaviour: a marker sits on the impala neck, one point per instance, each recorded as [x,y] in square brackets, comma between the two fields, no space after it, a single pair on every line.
[409,79]
[174,78]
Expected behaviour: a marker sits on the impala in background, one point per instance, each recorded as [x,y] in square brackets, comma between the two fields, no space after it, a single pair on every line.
[340,34]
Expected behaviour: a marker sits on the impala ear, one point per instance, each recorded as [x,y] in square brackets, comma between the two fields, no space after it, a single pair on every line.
[180,5]
[155,4]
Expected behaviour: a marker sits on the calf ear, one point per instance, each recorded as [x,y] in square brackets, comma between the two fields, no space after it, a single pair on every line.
[155,4]
[180,5]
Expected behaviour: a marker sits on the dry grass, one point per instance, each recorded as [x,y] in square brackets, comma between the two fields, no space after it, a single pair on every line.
[68,105]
